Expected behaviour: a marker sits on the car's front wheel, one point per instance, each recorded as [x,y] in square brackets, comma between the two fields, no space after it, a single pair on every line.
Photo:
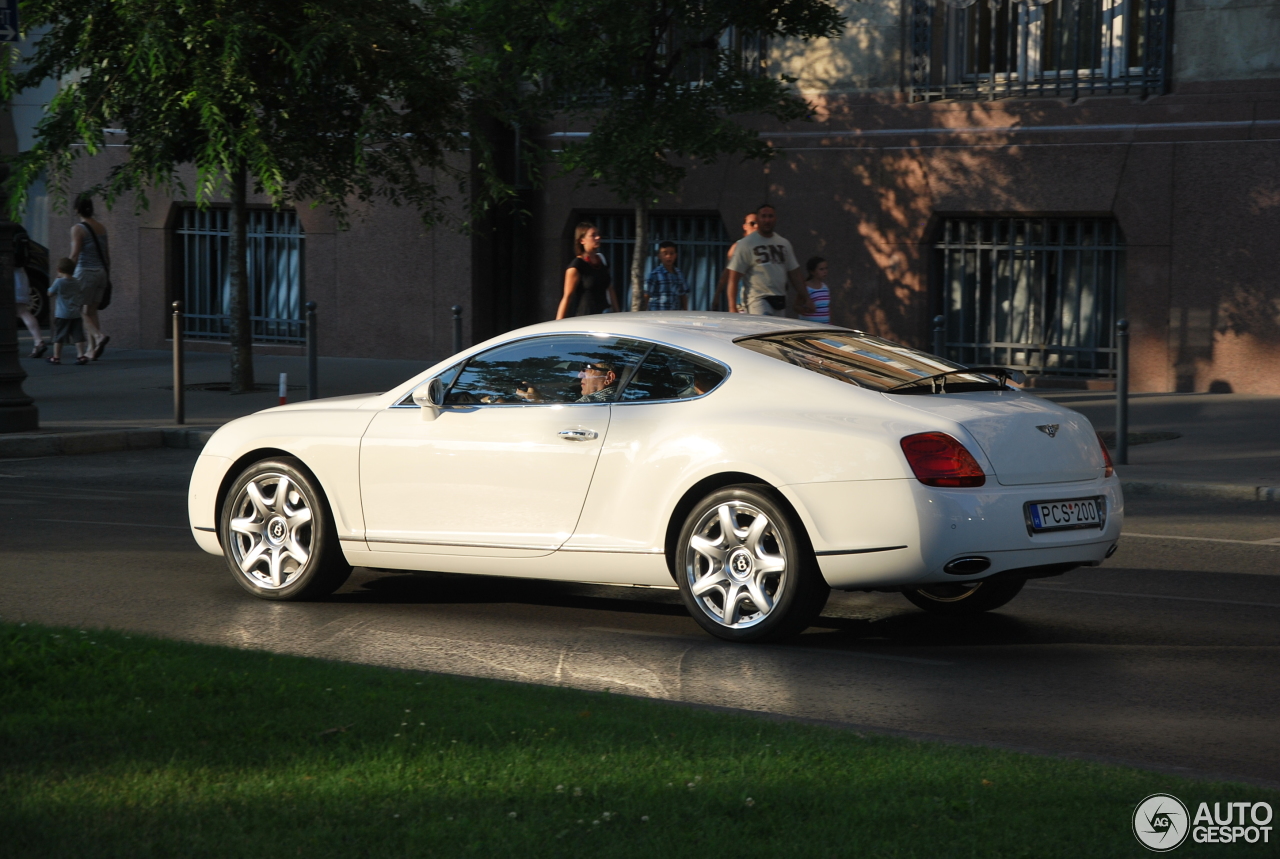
[745,568]
[278,535]
[965,597]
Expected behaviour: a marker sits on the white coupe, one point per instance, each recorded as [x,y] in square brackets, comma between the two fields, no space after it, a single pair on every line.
[752,462]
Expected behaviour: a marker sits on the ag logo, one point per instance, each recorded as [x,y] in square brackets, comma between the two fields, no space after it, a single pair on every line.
[1160,822]
[1048,429]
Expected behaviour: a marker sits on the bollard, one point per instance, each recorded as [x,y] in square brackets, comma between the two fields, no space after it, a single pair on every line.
[457,328]
[939,335]
[179,374]
[313,383]
[284,388]
[1122,392]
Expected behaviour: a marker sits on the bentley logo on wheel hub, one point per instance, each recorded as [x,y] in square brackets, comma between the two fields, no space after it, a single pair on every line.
[277,529]
[1048,429]
[740,564]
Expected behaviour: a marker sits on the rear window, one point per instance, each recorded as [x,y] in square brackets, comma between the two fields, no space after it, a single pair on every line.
[669,374]
[866,361]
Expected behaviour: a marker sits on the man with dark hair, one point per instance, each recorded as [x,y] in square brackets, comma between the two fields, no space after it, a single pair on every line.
[599,381]
[665,287]
[764,264]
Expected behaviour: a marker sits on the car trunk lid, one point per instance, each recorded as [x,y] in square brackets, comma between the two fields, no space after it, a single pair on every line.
[1026,439]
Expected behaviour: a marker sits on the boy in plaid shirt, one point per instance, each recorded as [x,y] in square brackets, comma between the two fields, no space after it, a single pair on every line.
[664,288]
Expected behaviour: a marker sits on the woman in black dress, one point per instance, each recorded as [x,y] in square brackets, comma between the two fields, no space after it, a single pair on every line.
[587,285]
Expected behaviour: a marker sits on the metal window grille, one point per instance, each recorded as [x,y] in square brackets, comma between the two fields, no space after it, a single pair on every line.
[275,274]
[1066,48]
[1037,294]
[702,56]
[701,240]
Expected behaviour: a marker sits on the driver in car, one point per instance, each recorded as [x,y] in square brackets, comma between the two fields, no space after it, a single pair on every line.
[599,381]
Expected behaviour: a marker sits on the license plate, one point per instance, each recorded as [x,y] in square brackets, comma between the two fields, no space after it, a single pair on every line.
[1066,515]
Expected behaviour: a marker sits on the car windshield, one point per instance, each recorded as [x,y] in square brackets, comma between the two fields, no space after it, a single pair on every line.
[868,362]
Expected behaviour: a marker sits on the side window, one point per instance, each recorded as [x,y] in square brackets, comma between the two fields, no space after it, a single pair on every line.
[558,369]
[669,374]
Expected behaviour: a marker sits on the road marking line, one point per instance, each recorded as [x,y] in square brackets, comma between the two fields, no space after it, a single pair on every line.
[915,659]
[57,493]
[113,524]
[918,660]
[1272,541]
[1152,596]
[644,633]
[37,498]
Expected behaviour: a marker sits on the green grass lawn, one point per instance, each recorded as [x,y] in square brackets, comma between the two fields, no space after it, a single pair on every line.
[117,745]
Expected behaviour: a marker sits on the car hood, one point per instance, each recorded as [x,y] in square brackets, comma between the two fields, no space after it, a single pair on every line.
[1026,439]
[351,401]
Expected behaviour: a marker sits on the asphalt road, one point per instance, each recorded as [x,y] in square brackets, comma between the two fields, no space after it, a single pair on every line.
[1165,657]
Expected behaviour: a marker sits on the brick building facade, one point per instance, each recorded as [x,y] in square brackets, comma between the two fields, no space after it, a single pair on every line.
[1032,173]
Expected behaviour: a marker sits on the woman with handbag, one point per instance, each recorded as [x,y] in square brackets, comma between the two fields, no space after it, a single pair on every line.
[89,251]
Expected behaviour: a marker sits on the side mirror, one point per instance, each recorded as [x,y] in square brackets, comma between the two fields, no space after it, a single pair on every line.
[430,397]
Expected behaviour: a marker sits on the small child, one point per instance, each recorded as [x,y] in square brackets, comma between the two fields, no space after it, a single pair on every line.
[665,288]
[819,294]
[68,327]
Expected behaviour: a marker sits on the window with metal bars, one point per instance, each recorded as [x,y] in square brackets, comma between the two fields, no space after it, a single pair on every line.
[275,239]
[703,55]
[701,242]
[1059,48]
[1037,294]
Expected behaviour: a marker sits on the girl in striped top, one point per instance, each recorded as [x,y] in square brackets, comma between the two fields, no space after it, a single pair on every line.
[818,292]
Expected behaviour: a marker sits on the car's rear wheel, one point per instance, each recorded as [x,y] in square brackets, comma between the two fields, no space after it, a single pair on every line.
[745,568]
[965,597]
[35,303]
[278,535]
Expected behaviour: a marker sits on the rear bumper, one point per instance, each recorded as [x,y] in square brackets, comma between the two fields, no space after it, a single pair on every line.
[895,533]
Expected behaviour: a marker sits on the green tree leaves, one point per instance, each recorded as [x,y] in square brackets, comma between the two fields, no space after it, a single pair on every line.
[319,100]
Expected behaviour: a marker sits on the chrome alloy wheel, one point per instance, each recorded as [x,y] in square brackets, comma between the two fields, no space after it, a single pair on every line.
[736,564]
[271,530]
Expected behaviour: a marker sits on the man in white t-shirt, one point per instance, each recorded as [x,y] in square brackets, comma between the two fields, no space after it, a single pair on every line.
[763,264]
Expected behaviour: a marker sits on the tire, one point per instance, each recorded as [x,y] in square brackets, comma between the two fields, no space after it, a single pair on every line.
[35,303]
[278,535]
[760,583]
[965,597]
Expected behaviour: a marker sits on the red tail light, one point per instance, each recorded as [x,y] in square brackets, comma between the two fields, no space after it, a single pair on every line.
[939,460]
[1106,458]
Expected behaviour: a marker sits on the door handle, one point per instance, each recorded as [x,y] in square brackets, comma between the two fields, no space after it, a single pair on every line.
[578,434]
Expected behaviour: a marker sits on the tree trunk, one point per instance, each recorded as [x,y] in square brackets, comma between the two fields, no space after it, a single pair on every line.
[641,255]
[238,271]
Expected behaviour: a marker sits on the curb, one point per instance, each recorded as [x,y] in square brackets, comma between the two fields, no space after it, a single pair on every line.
[100,441]
[1221,491]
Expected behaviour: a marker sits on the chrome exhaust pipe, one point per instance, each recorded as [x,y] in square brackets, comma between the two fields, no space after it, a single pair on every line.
[967,566]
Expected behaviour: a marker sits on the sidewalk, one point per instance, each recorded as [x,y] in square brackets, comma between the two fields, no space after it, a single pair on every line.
[1229,444]
[125,401]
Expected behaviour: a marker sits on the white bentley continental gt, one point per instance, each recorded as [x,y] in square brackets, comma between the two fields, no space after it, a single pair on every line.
[752,462]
